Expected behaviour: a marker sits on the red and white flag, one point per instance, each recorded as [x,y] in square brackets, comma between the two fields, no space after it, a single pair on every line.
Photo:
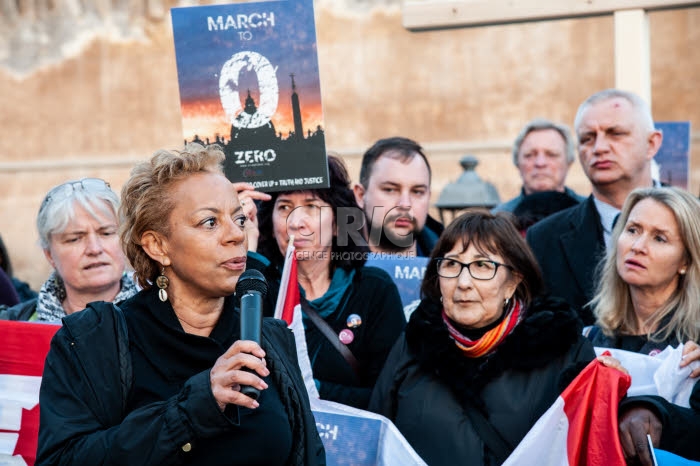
[580,428]
[22,353]
[288,296]
[288,308]
[346,432]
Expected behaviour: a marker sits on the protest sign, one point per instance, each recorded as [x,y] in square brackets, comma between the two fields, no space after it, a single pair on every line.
[407,273]
[356,437]
[350,436]
[249,82]
[672,161]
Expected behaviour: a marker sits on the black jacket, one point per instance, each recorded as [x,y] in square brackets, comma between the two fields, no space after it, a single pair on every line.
[568,246]
[681,425]
[373,297]
[22,311]
[427,383]
[428,237]
[85,386]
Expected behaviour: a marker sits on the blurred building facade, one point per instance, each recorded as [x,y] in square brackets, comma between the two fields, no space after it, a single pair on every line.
[89,88]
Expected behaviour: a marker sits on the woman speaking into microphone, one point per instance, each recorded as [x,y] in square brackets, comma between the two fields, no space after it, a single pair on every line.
[158,379]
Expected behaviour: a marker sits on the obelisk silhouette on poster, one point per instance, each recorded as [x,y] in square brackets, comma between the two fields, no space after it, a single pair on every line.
[296,112]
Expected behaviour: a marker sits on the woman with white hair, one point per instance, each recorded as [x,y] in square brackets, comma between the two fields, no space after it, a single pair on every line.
[78,232]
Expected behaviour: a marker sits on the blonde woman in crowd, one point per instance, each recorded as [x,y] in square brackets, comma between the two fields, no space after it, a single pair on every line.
[648,298]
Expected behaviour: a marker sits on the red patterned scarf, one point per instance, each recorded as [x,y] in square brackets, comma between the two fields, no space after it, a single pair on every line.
[491,339]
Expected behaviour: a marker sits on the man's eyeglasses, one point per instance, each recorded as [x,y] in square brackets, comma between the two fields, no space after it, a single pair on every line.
[66,189]
[479,269]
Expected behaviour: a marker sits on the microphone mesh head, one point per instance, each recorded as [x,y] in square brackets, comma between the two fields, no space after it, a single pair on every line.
[251,280]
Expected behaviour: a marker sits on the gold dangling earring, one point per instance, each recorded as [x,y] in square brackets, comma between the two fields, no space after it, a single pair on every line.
[162,282]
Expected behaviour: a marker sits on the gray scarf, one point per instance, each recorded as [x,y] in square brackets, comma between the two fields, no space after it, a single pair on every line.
[49,307]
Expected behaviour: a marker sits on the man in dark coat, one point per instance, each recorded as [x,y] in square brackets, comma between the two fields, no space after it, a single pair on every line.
[617,142]
[394,193]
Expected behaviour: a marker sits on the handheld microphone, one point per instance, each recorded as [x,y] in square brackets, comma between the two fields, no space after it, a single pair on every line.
[252,288]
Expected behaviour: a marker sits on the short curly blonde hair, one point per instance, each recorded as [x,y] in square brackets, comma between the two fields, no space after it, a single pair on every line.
[146,197]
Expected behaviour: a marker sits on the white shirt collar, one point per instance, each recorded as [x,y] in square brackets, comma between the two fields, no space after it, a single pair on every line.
[607,215]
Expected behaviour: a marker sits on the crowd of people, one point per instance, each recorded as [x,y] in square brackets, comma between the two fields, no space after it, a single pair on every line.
[513,301]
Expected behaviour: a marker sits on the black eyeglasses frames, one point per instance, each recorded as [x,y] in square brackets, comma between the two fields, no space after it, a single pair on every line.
[481,269]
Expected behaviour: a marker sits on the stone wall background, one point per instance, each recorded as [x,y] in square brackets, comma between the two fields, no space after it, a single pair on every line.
[89,87]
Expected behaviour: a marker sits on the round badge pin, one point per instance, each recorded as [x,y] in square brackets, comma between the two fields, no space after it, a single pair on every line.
[354,321]
[346,336]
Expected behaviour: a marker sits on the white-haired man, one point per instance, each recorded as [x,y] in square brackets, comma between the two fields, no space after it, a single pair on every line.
[543,152]
[616,142]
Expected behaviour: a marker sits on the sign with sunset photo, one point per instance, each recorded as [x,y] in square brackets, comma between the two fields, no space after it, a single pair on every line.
[249,82]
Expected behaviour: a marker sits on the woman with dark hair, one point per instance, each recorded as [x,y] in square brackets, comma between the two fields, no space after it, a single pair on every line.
[485,354]
[23,290]
[8,295]
[352,314]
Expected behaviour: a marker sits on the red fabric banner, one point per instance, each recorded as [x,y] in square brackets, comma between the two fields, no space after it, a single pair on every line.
[22,354]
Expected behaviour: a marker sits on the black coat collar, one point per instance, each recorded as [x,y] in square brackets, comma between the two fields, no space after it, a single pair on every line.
[583,244]
[549,329]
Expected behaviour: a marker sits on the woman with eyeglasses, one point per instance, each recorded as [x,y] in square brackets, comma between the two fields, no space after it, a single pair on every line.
[352,314]
[485,354]
[78,232]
